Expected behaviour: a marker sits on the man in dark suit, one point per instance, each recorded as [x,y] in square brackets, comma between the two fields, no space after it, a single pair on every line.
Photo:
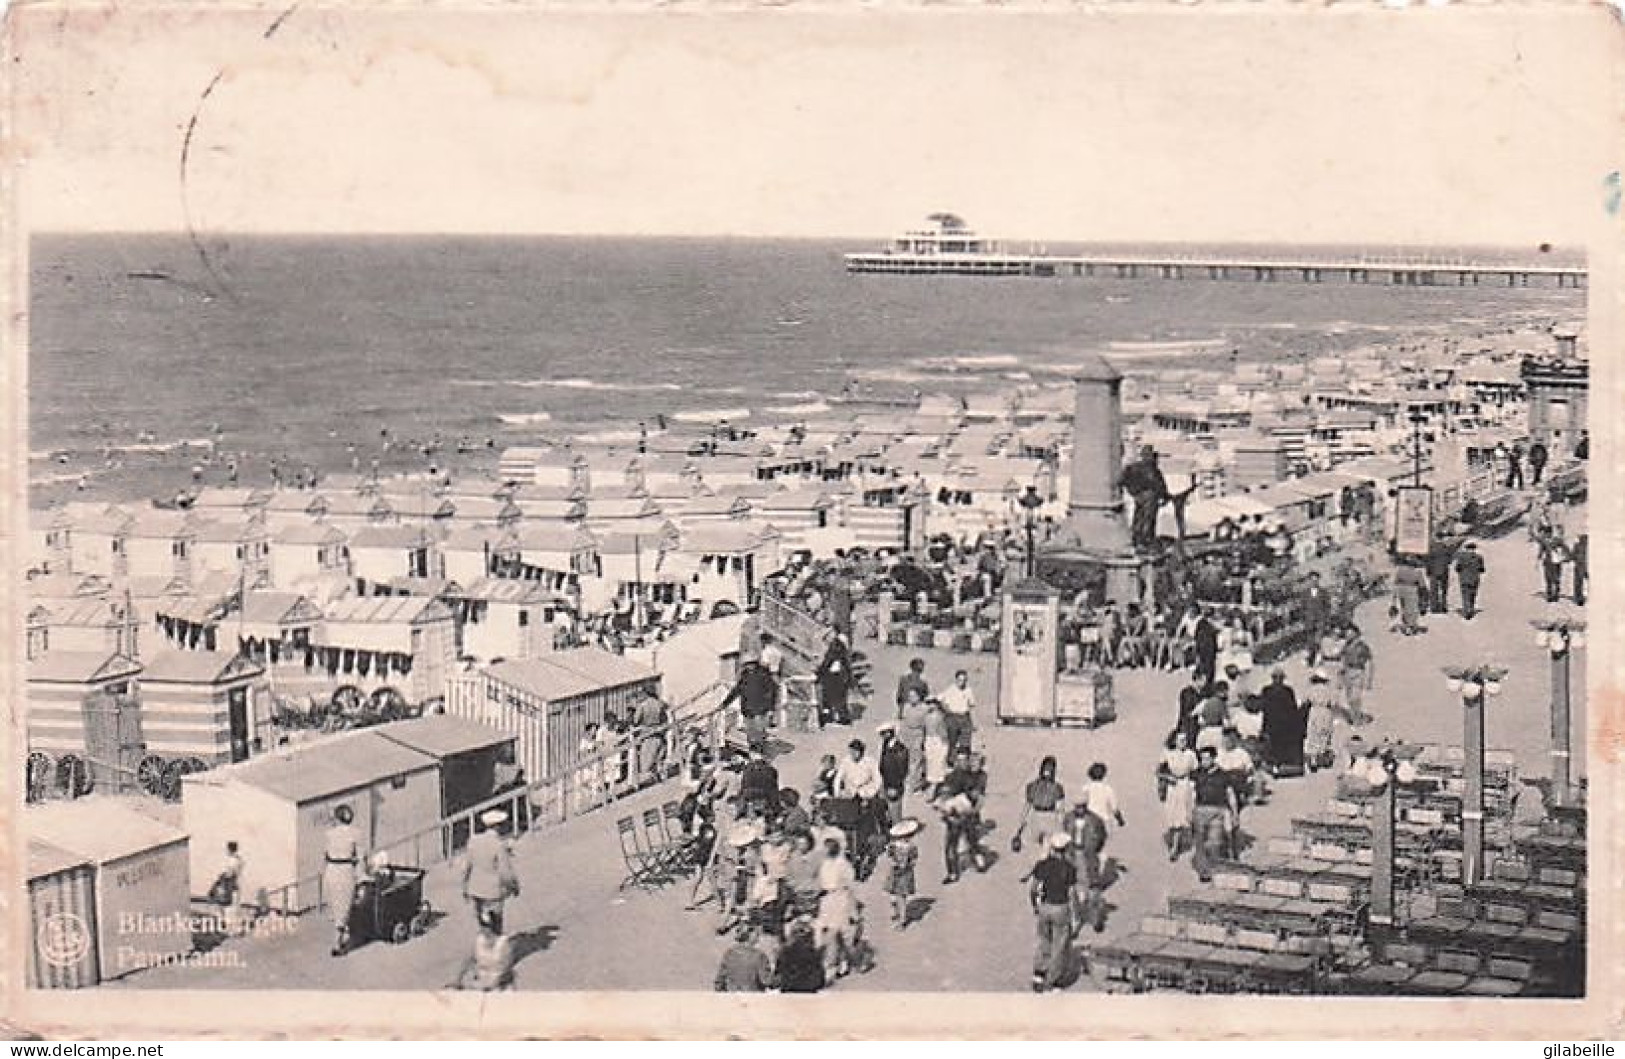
[1207,650]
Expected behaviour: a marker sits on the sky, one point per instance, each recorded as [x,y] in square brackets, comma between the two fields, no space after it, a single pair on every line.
[1323,124]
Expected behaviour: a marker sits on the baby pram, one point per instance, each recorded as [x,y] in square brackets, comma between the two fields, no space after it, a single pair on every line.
[389,905]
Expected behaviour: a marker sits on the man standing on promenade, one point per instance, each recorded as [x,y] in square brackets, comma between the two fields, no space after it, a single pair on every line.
[1554,554]
[894,762]
[1317,612]
[1216,806]
[758,696]
[957,703]
[1054,897]
[1515,466]
[1207,650]
[1470,572]
[1537,462]
[1357,662]
[1438,564]
[914,679]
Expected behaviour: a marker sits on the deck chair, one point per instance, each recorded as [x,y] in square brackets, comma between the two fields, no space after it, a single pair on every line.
[641,869]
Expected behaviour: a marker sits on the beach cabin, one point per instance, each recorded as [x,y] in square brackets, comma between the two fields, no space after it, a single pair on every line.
[468,756]
[45,588]
[469,553]
[506,618]
[529,465]
[555,556]
[547,702]
[543,513]
[380,555]
[294,507]
[50,548]
[211,705]
[61,919]
[83,705]
[420,507]
[725,561]
[408,643]
[797,514]
[160,543]
[278,807]
[697,664]
[306,553]
[631,513]
[213,501]
[712,509]
[672,495]
[625,557]
[98,542]
[500,512]
[721,471]
[668,475]
[234,546]
[140,885]
[275,628]
[351,511]
[192,621]
[87,625]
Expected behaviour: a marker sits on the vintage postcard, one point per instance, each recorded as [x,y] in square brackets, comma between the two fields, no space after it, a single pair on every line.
[547,520]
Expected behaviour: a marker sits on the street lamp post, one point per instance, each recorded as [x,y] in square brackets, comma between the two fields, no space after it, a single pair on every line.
[1417,419]
[1476,684]
[1030,503]
[1395,772]
[1562,637]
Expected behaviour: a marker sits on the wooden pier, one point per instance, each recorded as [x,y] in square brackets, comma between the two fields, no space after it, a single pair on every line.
[1397,273]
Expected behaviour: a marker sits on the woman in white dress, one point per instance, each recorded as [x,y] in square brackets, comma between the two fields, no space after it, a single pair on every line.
[1178,791]
[936,745]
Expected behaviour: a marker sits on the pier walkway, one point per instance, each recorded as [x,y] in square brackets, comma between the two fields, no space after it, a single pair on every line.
[1396,272]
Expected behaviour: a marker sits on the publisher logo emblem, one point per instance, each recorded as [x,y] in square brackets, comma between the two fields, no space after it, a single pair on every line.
[63,939]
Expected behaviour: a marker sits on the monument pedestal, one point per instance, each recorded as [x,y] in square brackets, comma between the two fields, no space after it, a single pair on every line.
[1108,577]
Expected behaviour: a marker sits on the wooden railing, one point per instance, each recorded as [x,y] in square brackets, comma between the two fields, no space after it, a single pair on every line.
[635,763]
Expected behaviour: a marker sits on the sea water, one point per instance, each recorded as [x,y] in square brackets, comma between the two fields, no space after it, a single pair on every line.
[154,355]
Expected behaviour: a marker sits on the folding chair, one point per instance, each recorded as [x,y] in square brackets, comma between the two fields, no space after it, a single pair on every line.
[640,868]
[656,844]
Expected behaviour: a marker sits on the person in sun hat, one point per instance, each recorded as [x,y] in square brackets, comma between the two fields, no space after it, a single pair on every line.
[488,873]
[1053,894]
[901,856]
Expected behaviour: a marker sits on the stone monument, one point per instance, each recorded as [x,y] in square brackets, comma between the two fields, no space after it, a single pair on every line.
[1093,546]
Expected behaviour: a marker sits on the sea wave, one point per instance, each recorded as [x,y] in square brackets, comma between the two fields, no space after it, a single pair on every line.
[162,446]
[894,375]
[969,363]
[807,409]
[571,384]
[797,395]
[520,419]
[711,415]
[1167,345]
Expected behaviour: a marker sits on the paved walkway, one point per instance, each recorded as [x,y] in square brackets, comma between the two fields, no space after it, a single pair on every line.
[576,930]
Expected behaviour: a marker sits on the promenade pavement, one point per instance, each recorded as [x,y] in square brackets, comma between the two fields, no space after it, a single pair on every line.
[575,929]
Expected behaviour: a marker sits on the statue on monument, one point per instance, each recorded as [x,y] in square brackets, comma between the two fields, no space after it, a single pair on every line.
[1142,480]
